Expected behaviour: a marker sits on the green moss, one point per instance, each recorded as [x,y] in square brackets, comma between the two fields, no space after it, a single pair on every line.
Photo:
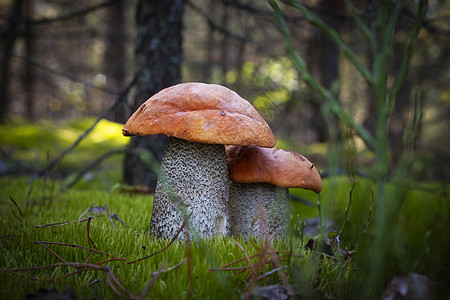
[33,144]
[415,242]
[131,241]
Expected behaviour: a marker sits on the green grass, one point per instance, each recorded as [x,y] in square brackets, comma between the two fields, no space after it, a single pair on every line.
[129,241]
[307,272]
[20,230]
[417,240]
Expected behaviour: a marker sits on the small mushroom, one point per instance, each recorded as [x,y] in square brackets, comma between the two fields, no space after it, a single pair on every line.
[200,119]
[260,178]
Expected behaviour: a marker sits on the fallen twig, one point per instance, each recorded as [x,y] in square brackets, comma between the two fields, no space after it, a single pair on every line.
[52,252]
[6,218]
[112,286]
[251,267]
[88,225]
[81,267]
[87,210]
[156,274]
[63,223]
[246,255]
[18,207]
[76,246]
[289,290]
[111,275]
[95,281]
[271,272]
[109,260]
[233,268]
[255,255]
[260,263]
[69,264]
[171,242]
[49,280]
[107,212]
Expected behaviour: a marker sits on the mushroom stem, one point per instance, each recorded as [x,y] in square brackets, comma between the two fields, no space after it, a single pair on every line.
[193,178]
[245,212]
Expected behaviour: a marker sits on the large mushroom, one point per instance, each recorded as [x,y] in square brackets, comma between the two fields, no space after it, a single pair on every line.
[199,119]
[260,179]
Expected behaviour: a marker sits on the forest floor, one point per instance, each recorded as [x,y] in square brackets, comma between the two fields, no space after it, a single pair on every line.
[82,234]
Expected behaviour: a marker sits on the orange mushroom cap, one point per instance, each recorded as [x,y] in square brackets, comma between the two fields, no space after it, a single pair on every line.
[251,164]
[199,112]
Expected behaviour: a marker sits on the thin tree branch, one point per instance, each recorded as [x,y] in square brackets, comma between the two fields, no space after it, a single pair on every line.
[93,165]
[227,32]
[119,99]
[74,14]
[67,76]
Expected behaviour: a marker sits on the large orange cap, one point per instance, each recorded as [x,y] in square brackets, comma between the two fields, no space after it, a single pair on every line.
[199,112]
[251,164]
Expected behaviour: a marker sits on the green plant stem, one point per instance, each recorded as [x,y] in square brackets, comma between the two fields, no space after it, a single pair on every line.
[380,42]
[333,103]
[362,26]
[377,255]
[401,74]
[318,23]
[347,209]
[385,25]
[384,103]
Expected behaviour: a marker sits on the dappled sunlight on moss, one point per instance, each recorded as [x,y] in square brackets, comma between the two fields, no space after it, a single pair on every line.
[106,133]
[31,143]
[27,136]
[43,134]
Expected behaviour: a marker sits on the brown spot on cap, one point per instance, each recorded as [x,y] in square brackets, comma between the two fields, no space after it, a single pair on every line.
[190,111]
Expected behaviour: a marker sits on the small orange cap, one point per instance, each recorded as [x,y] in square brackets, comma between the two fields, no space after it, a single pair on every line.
[251,164]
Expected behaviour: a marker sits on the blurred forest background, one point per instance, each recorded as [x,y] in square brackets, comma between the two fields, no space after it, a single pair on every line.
[371,100]
[63,60]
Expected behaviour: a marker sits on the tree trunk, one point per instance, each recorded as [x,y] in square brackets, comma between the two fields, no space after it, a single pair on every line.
[209,43]
[323,62]
[224,48]
[14,20]
[158,60]
[114,59]
[29,76]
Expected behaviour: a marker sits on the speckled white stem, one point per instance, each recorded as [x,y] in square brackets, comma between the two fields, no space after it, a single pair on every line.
[245,213]
[194,178]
